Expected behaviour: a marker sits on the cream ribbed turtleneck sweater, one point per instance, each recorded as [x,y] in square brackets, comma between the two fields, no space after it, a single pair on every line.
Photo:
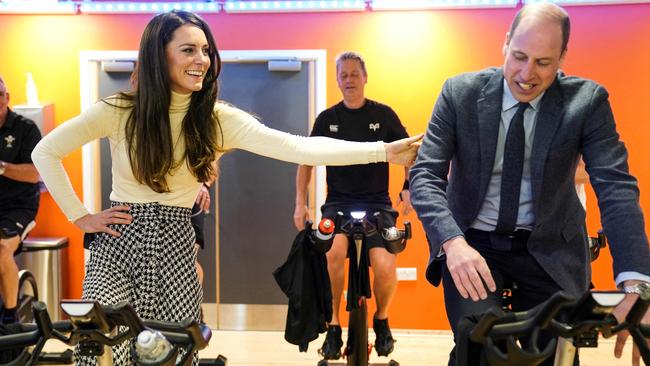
[240,131]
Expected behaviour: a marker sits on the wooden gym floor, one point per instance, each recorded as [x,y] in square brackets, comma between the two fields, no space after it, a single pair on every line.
[413,348]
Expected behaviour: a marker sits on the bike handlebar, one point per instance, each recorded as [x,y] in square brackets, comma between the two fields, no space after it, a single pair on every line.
[589,315]
[360,226]
[90,326]
[499,325]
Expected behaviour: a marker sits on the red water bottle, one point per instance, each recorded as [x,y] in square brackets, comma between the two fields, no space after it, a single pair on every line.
[324,235]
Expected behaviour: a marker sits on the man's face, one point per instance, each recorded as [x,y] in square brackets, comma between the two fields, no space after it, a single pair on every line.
[533,55]
[4,101]
[351,79]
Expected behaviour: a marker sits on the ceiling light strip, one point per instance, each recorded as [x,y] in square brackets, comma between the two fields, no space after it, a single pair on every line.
[25,7]
[293,6]
[119,7]
[588,2]
[268,6]
[440,4]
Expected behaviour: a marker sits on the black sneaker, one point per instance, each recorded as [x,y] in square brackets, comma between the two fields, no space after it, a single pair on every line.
[8,316]
[331,349]
[384,341]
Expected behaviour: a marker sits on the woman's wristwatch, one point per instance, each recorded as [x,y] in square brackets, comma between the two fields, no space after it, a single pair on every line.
[2,167]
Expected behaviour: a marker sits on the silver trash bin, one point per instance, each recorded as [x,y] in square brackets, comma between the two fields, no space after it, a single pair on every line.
[42,257]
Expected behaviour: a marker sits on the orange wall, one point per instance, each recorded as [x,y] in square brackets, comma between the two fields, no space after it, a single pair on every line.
[409,55]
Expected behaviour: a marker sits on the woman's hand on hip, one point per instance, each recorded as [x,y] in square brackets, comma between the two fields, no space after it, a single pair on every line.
[99,222]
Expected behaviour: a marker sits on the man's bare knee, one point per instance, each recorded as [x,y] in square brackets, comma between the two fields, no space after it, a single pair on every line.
[10,244]
[7,249]
[384,264]
[386,273]
[339,250]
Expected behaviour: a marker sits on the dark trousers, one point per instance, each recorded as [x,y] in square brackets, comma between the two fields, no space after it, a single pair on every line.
[516,264]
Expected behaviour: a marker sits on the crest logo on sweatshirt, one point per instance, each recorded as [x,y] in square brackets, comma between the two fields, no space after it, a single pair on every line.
[334,128]
[10,141]
[373,126]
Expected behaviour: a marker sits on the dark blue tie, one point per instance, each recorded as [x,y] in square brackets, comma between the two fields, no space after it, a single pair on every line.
[513,166]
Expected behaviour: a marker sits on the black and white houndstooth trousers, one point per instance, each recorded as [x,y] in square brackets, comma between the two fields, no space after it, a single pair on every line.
[151,266]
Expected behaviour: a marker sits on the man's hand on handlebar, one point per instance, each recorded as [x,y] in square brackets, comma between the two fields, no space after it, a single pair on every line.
[468,269]
[620,313]
[404,151]
[99,222]
[300,215]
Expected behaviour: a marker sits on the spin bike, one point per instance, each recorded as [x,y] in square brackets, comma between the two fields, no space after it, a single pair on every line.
[357,348]
[588,317]
[93,328]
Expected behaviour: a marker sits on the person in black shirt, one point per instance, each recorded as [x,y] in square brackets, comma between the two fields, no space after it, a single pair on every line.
[19,195]
[356,188]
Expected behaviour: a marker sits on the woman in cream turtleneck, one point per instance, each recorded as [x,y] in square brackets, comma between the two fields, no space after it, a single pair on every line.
[164,137]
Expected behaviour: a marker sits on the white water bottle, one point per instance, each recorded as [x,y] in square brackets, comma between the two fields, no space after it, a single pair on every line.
[32,92]
[152,346]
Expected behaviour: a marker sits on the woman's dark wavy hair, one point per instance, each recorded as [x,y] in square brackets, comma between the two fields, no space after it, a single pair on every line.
[148,131]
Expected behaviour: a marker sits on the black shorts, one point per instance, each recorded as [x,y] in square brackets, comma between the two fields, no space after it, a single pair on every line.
[16,220]
[388,214]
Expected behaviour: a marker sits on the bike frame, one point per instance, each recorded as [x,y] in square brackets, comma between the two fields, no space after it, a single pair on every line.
[357,349]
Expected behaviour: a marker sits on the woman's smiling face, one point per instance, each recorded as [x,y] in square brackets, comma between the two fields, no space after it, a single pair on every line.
[187,59]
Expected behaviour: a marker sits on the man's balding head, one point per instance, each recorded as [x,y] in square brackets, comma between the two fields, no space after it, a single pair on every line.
[545,11]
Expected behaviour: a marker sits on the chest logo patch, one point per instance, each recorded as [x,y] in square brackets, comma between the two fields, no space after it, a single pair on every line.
[373,126]
[10,141]
[334,128]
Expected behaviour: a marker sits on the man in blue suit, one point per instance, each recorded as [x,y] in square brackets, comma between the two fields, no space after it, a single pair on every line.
[493,183]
